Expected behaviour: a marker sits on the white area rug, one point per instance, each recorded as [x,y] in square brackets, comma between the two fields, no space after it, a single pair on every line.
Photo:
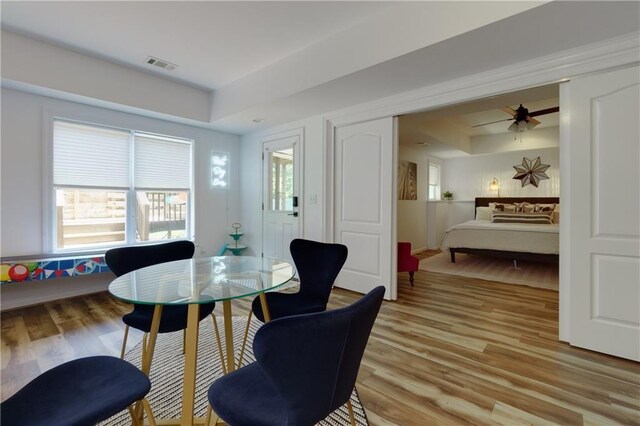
[533,274]
[167,369]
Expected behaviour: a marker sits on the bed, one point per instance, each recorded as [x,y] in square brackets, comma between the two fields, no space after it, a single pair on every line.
[532,241]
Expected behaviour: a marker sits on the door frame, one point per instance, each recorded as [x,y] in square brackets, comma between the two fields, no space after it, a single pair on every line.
[299,176]
[549,69]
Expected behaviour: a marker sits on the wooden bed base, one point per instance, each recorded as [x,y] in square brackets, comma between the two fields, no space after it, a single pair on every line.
[515,255]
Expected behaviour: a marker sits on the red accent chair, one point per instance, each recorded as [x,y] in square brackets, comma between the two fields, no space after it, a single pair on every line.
[406,261]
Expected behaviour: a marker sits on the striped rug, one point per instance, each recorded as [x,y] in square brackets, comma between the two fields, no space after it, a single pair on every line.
[168,366]
[533,274]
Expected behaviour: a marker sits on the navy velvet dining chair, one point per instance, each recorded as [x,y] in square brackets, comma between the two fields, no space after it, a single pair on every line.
[174,318]
[81,392]
[306,367]
[318,264]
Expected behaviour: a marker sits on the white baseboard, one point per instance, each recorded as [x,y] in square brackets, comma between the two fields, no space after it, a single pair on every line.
[418,250]
[29,293]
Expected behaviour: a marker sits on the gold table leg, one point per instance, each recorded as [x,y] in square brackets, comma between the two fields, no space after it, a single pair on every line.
[265,307]
[190,363]
[147,356]
[228,335]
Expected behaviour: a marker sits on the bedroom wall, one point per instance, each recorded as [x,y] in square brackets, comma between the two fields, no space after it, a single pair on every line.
[469,177]
[21,224]
[411,219]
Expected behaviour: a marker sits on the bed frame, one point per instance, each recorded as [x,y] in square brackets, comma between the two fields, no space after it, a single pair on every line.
[515,255]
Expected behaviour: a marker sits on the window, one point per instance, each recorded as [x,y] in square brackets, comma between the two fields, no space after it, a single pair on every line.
[115,187]
[434,182]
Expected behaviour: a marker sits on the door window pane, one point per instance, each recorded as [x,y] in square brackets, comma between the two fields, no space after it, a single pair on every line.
[281,179]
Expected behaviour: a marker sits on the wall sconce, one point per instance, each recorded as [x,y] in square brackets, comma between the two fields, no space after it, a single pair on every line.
[495,185]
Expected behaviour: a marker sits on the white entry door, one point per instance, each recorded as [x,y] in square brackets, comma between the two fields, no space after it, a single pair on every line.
[604,184]
[363,203]
[281,194]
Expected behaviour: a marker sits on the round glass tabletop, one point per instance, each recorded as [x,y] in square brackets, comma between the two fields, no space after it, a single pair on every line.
[201,280]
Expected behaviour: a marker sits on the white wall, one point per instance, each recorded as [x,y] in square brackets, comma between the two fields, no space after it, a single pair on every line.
[33,62]
[411,215]
[469,177]
[311,214]
[22,163]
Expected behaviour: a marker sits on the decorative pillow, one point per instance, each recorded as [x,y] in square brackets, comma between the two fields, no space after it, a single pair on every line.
[483,213]
[513,217]
[504,207]
[544,207]
[523,207]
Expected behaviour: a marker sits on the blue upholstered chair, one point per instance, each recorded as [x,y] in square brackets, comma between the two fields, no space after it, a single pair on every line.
[81,392]
[174,318]
[306,367]
[318,264]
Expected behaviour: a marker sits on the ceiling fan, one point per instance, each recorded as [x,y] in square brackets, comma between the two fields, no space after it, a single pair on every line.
[523,119]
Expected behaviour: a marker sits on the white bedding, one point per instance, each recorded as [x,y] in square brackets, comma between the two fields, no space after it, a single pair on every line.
[520,237]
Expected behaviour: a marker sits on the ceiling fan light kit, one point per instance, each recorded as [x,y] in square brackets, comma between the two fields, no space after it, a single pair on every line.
[523,119]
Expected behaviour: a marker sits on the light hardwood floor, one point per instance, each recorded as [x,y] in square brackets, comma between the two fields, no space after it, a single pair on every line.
[451,350]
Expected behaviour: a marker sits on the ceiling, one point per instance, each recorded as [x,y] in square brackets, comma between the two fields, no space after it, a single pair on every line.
[284,61]
[424,129]
[213,43]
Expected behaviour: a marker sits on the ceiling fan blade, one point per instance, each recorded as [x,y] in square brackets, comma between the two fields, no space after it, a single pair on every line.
[512,112]
[544,111]
[532,123]
[492,122]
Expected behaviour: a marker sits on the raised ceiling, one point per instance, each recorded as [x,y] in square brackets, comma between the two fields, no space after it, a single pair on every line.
[425,129]
[283,61]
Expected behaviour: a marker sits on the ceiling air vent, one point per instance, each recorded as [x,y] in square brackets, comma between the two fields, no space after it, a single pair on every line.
[161,63]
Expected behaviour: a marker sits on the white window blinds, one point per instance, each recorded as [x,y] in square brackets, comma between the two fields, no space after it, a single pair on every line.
[90,156]
[161,163]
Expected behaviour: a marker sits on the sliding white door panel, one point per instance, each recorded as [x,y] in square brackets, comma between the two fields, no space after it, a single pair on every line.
[604,221]
[362,201]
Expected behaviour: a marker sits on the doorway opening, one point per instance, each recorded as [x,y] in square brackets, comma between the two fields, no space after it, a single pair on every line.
[459,165]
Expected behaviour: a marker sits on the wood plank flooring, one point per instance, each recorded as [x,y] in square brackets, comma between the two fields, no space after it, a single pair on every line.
[450,350]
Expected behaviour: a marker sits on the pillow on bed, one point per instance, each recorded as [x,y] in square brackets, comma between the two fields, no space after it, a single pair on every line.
[544,207]
[523,207]
[513,217]
[483,213]
[502,207]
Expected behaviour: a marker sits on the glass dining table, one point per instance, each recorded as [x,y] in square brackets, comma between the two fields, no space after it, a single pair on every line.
[193,282]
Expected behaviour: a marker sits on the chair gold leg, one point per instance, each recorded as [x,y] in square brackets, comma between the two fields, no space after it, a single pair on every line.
[352,418]
[219,342]
[244,339]
[207,419]
[134,418]
[124,341]
[147,409]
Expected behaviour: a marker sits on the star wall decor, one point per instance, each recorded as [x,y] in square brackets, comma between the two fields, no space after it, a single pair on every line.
[531,171]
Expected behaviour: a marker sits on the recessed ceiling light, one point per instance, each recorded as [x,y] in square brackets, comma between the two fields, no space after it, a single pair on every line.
[258,120]
[422,143]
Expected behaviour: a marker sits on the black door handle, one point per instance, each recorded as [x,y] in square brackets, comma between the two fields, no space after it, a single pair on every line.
[294,214]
